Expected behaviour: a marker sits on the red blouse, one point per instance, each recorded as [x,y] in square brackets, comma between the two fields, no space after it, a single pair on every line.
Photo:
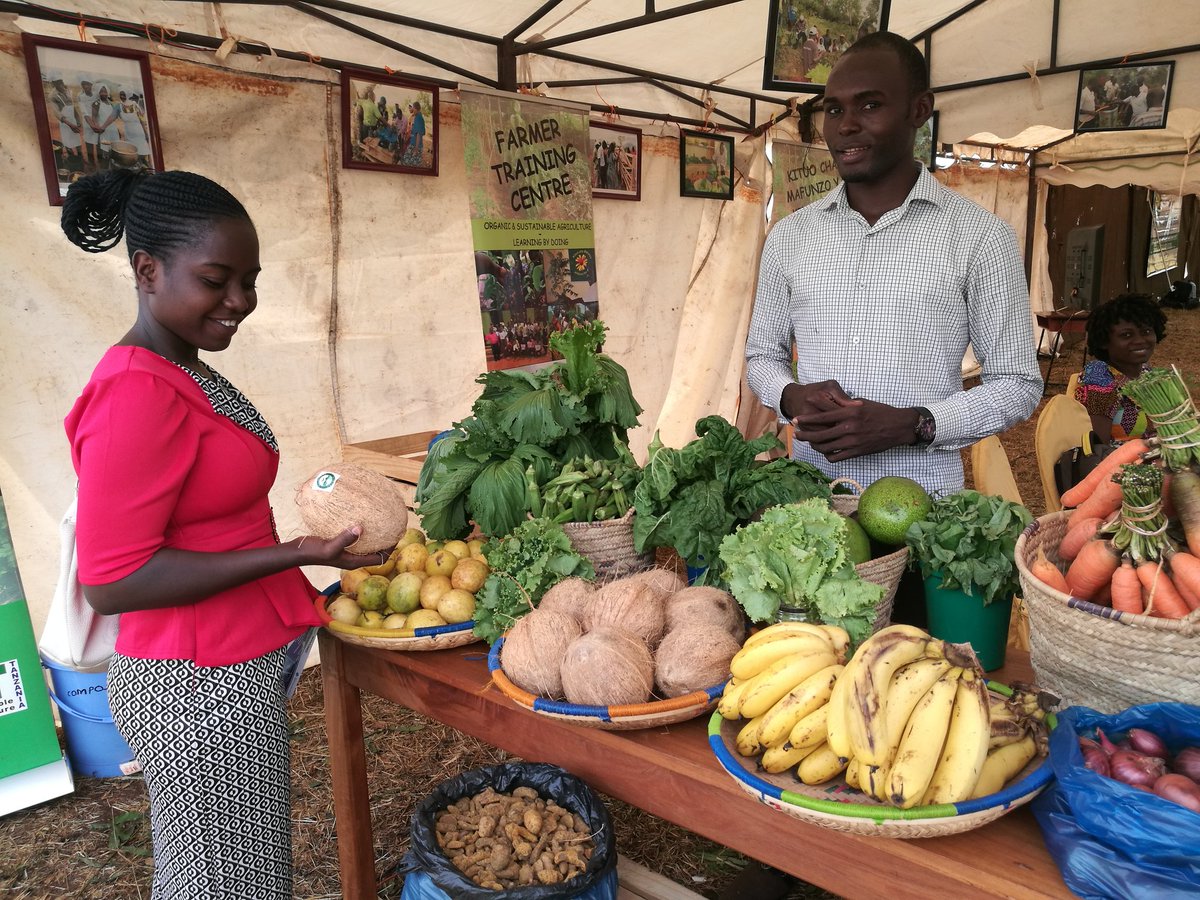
[159,468]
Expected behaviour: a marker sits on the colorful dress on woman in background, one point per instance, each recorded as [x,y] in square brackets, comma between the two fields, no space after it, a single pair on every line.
[169,459]
[1099,390]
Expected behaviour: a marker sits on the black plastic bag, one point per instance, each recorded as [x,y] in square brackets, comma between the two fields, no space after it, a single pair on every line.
[425,858]
[1109,839]
[1073,465]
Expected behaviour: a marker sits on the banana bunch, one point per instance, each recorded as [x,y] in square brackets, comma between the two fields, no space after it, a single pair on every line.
[782,680]
[909,718]
[585,490]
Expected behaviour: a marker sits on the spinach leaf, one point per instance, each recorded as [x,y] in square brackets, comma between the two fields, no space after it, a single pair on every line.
[970,538]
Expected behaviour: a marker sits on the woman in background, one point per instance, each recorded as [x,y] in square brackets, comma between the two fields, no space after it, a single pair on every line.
[175,535]
[1121,334]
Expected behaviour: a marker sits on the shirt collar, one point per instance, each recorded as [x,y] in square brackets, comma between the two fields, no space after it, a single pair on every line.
[926,188]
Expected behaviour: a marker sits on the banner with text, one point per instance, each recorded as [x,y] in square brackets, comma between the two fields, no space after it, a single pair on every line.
[802,174]
[531,221]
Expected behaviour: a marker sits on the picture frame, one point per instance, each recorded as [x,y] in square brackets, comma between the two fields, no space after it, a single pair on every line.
[619,175]
[705,165]
[389,123]
[1128,97]
[71,84]
[926,144]
[803,42]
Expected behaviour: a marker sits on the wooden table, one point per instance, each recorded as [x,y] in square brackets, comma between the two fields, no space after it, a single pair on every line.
[671,773]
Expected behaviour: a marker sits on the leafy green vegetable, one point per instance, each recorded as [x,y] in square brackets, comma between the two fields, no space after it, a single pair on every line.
[525,563]
[796,556]
[693,497]
[970,538]
[579,406]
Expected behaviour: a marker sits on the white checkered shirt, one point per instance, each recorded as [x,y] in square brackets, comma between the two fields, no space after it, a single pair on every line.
[887,311]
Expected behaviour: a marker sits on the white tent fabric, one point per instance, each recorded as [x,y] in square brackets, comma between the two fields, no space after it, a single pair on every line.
[368,325]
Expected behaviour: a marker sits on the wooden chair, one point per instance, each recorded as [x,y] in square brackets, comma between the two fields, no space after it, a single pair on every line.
[1061,425]
[992,471]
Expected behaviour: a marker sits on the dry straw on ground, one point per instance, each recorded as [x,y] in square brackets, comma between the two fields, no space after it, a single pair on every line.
[94,844]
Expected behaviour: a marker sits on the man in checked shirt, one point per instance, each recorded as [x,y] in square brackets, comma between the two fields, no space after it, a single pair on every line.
[881,285]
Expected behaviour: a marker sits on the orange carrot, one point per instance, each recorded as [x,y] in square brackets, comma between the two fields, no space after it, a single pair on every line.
[1104,595]
[1128,452]
[1164,598]
[1185,572]
[1080,532]
[1126,589]
[1092,569]
[1103,500]
[1047,572]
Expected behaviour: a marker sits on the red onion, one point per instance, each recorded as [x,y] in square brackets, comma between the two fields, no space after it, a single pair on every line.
[1179,789]
[1094,758]
[1147,742]
[1106,745]
[1134,768]
[1187,762]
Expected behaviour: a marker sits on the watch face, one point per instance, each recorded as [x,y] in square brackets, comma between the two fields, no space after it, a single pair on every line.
[926,428]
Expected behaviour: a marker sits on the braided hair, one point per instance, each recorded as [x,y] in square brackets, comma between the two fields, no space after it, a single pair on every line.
[158,212]
[1138,309]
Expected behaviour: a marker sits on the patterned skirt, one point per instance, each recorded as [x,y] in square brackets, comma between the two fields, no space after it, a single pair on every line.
[213,744]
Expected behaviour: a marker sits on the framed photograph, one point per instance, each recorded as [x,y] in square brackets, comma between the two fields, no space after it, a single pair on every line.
[705,165]
[1123,98]
[925,146]
[616,162]
[389,123]
[806,37]
[94,110]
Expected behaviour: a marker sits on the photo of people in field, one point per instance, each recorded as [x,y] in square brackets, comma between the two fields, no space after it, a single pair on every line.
[391,123]
[806,37]
[705,165]
[616,162]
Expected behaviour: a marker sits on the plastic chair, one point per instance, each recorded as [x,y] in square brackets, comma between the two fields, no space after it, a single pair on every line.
[1061,425]
[1072,383]
[992,471]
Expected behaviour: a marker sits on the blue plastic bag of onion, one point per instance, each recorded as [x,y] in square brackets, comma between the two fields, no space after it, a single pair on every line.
[1109,838]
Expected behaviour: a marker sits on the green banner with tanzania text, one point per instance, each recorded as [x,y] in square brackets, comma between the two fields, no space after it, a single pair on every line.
[529,184]
[802,174]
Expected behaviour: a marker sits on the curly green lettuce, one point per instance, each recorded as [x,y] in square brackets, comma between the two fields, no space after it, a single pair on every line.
[796,556]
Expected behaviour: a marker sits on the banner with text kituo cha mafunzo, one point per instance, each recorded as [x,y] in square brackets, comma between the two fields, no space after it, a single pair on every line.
[802,174]
[531,221]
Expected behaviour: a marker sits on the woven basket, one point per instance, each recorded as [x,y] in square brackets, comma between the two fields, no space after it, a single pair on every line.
[607,718]
[1095,656]
[442,637]
[884,571]
[609,546]
[838,806]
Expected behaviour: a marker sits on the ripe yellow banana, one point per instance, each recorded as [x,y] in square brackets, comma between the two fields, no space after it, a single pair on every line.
[810,730]
[780,629]
[922,742]
[731,697]
[909,684]
[747,743]
[852,774]
[820,765]
[835,720]
[873,781]
[966,744]
[882,654]
[750,661]
[840,639]
[766,688]
[1003,764]
[780,759]
[809,695]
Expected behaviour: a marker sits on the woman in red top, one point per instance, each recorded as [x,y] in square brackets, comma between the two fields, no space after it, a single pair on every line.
[175,535]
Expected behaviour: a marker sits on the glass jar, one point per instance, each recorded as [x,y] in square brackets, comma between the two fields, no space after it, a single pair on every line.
[791,614]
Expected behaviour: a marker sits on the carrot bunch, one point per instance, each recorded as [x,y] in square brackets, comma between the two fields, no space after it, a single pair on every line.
[1133,540]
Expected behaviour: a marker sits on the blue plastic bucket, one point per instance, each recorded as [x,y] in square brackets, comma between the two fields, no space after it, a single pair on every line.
[94,746]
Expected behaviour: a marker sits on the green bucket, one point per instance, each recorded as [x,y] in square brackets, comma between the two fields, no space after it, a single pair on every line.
[963,619]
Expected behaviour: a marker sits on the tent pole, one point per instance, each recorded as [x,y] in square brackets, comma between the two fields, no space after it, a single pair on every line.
[1030,224]
[649,18]
[1054,34]
[506,66]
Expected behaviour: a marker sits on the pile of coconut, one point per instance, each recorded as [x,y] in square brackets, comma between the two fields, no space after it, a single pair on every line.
[643,637]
